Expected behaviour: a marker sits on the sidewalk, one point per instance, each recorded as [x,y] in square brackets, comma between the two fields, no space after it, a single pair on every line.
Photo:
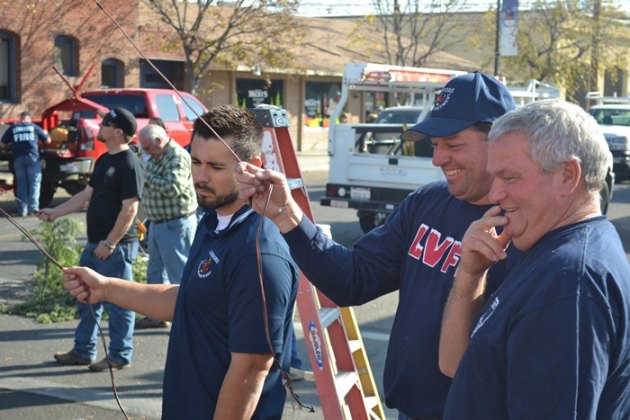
[313,161]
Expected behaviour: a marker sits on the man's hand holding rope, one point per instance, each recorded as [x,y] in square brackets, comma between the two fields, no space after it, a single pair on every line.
[85,284]
[268,193]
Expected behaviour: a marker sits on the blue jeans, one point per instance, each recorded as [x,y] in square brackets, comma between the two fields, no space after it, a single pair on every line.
[169,245]
[121,321]
[28,175]
[296,362]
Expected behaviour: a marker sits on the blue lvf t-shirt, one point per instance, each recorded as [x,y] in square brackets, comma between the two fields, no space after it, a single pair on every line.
[219,311]
[416,252]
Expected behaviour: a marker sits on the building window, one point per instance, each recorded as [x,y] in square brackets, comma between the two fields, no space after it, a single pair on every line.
[112,73]
[66,56]
[173,70]
[320,100]
[253,92]
[8,60]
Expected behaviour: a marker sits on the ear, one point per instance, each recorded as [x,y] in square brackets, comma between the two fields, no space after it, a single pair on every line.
[570,174]
[256,161]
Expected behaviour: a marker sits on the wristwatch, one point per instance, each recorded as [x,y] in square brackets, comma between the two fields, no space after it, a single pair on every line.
[108,245]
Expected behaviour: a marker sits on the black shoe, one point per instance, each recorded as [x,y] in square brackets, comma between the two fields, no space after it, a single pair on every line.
[103,365]
[71,358]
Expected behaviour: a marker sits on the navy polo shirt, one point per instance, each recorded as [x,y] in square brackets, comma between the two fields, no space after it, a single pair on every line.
[219,311]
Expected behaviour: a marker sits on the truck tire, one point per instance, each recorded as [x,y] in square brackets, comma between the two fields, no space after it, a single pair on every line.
[46,193]
[604,199]
[370,220]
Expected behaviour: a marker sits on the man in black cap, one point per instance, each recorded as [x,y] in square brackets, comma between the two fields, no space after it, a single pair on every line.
[113,194]
[23,137]
[416,251]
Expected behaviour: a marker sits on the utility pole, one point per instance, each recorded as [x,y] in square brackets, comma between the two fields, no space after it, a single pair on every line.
[597,34]
[497,53]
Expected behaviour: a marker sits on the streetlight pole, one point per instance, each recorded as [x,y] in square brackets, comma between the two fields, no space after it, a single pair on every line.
[497,54]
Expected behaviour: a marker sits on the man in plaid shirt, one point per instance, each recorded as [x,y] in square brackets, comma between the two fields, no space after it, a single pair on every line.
[169,203]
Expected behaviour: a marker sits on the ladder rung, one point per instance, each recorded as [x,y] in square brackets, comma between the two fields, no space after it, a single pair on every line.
[371,402]
[354,345]
[345,381]
[295,183]
[327,316]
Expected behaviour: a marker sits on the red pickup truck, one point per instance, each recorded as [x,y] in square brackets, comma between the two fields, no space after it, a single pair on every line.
[73,124]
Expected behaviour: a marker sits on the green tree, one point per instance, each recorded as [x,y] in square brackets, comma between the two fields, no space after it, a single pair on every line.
[251,33]
[566,43]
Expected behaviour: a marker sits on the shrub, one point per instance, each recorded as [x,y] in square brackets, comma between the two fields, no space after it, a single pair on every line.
[49,301]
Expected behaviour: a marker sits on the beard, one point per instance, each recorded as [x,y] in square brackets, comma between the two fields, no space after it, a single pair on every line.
[219,200]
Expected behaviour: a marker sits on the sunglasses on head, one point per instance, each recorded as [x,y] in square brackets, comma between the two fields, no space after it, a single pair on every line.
[108,124]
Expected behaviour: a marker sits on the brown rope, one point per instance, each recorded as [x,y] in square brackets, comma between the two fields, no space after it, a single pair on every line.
[50,258]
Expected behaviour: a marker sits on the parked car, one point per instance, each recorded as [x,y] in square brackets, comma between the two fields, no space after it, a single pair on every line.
[400,115]
[615,122]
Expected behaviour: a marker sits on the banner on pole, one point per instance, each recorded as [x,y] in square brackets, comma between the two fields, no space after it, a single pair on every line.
[508,28]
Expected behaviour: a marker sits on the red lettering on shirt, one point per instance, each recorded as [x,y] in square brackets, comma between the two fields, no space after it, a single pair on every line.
[453,257]
[429,249]
[433,249]
[415,250]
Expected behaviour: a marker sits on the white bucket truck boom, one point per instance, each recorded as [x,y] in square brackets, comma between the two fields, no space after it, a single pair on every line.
[371,168]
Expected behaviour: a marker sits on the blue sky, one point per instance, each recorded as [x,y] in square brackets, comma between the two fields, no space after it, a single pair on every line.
[364,7]
[358,7]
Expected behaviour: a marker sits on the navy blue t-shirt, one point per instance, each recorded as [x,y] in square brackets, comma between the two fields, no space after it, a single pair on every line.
[554,340]
[219,311]
[415,251]
[115,178]
[23,136]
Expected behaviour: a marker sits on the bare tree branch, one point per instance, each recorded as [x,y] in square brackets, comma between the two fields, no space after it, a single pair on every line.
[251,33]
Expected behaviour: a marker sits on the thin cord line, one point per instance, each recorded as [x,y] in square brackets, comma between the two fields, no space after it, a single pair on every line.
[285,375]
[50,258]
[165,78]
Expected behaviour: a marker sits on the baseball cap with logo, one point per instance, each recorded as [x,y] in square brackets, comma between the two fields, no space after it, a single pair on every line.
[464,101]
[122,119]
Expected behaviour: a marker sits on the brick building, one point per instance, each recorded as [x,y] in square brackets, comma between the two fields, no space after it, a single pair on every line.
[75,35]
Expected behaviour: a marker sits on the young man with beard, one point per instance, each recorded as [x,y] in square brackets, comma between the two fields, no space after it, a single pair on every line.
[415,251]
[226,347]
[113,195]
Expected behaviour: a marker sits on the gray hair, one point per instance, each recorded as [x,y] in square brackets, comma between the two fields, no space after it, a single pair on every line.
[153,132]
[557,132]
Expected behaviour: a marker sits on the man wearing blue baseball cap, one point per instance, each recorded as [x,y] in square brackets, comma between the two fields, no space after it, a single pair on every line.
[416,251]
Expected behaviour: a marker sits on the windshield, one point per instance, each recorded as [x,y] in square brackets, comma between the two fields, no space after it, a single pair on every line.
[136,104]
[611,116]
[398,116]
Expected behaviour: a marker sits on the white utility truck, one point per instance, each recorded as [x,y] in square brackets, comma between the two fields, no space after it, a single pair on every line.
[371,168]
